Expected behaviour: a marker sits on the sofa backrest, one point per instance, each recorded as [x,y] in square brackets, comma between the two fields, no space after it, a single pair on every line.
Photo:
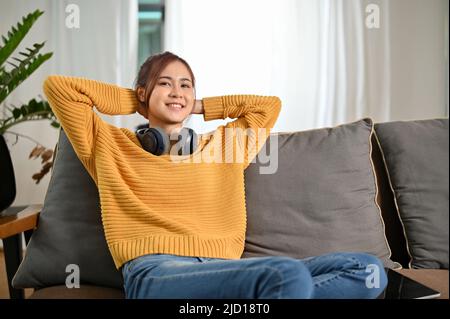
[318,198]
[416,157]
[385,198]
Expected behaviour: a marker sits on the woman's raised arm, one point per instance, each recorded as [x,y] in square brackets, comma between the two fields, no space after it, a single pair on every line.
[72,100]
[256,115]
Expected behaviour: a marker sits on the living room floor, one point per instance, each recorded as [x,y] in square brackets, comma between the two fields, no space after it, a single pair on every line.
[4,293]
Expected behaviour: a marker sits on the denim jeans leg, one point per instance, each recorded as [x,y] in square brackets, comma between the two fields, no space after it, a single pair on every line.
[169,276]
[346,275]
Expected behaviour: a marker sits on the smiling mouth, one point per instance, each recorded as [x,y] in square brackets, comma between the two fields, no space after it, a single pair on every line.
[175,106]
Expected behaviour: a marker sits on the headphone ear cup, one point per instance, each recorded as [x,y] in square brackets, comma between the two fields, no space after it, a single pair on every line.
[154,140]
[189,144]
[163,142]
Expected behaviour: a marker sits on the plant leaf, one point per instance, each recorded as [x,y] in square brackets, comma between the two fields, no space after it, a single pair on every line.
[55,124]
[15,66]
[17,35]
[34,110]
[17,59]
[45,169]
[46,155]
[36,151]
[17,113]
[23,71]
[37,177]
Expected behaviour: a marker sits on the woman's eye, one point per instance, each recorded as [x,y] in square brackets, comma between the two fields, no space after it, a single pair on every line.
[186,86]
[163,83]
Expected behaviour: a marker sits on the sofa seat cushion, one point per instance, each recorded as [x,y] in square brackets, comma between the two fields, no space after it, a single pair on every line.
[84,292]
[436,279]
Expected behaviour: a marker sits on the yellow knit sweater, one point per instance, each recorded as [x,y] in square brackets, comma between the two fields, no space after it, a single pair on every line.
[182,205]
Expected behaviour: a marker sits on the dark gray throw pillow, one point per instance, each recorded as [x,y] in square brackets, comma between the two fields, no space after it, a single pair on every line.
[70,231]
[321,199]
[416,155]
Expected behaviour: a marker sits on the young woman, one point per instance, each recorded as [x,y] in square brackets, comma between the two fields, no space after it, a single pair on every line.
[175,226]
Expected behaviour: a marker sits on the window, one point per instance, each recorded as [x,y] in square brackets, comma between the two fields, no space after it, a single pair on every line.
[151,28]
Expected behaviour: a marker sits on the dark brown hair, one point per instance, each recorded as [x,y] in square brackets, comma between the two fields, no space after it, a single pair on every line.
[152,68]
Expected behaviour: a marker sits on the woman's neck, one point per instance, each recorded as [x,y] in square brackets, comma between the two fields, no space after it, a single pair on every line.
[168,128]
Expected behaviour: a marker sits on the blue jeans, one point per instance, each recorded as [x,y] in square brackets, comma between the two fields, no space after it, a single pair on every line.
[335,275]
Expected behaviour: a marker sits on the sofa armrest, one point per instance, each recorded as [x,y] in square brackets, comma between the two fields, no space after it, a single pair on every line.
[18,223]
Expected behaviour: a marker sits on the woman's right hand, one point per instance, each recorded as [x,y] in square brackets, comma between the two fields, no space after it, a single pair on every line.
[142,110]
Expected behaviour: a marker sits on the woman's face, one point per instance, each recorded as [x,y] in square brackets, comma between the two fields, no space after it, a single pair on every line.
[172,98]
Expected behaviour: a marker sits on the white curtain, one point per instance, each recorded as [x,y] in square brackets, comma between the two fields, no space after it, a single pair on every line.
[319,56]
[104,47]
[352,64]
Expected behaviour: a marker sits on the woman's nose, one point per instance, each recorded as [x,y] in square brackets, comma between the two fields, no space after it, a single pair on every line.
[175,92]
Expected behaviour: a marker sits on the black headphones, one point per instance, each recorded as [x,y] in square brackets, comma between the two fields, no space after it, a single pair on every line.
[156,141]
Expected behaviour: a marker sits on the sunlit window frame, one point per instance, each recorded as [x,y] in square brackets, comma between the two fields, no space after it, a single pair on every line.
[153,9]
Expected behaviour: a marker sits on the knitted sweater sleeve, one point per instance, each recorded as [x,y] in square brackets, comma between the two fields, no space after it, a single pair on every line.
[255,117]
[72,100]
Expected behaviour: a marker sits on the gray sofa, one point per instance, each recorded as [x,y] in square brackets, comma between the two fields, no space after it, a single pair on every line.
[377,188]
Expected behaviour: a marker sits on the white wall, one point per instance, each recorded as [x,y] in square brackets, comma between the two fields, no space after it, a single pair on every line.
[419,51]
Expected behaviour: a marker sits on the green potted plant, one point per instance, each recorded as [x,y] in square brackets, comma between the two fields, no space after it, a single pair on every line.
[13,71]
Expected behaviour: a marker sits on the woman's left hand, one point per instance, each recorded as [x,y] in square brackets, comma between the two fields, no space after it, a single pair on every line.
[198,107]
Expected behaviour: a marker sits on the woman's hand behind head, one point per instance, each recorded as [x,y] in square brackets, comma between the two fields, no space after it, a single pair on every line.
[198,107]
[142,110]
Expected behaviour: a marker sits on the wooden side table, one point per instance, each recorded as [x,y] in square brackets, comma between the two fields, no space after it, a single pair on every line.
[14,221]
